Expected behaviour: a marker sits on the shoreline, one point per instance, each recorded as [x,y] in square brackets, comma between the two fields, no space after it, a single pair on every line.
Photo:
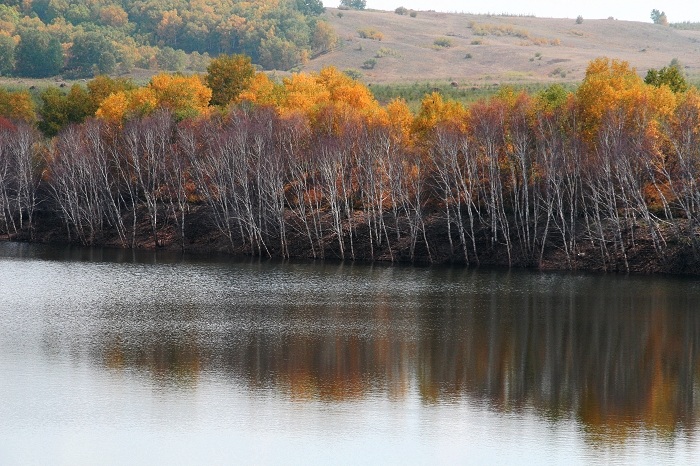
[203,239]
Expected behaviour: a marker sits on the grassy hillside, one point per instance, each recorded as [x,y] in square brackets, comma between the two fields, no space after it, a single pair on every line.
[483,50]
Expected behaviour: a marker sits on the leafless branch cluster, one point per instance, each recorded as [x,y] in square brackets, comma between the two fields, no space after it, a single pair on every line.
[519,184]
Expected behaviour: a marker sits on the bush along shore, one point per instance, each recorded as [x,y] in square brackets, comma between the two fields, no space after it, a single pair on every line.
[601,179]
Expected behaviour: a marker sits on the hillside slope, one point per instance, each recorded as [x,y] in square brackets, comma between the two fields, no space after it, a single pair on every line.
[498,49]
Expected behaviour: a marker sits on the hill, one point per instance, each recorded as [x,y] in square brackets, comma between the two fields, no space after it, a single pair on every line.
[485,49]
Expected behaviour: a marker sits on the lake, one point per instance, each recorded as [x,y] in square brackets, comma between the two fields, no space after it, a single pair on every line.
[123,357]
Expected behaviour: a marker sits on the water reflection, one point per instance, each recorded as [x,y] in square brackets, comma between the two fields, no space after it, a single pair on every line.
[614,354]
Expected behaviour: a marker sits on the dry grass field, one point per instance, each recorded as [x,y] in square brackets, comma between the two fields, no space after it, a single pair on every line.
[478,50]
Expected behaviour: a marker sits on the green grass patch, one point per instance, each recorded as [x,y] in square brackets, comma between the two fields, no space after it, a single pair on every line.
[413,93]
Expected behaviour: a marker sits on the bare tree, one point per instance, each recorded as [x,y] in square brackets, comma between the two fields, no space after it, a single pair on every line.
[147,143]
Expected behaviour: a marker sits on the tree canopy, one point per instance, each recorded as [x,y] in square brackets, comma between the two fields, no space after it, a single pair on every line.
[228,76]
[106,35]
[354,4]
[38,54]
[659,17]
[670,76]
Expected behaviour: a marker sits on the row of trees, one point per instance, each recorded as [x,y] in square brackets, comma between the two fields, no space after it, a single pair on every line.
[45,38]
[316,164]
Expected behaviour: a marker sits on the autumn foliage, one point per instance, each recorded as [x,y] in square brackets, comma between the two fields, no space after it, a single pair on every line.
[313,163]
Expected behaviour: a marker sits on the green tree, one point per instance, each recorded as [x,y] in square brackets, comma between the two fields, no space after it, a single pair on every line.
[38,54]
[170,59]
[670,76]
[310,7]
[659,17]
[59,109]
[277,53]
[7,55]
[91,51]
[553,96]
[53,112]
[354,4]
[227,76]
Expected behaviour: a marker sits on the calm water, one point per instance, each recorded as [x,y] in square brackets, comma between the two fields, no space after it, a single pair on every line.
[113,357]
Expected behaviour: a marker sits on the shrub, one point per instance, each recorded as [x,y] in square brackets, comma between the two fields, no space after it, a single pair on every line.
[353,74]
[443,42]
[413,14]
[386,52]
[369,64]
[370,33]
[401,11]
[557,72]
[497,30]
[579,19]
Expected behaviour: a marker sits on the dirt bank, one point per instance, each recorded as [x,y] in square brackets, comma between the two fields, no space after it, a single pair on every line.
[639,257]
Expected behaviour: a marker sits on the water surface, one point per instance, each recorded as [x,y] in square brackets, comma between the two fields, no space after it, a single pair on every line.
[118,357]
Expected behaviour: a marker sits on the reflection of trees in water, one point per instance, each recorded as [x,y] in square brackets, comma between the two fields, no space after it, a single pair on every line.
[170,354]
[177,362]
[613,360]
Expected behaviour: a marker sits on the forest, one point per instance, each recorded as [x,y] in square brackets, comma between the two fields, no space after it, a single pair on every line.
[77,38]
[603,177]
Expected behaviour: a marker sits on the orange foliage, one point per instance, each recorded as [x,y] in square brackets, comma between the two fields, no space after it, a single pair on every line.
[613,85]
[262,91]
[185,95]
[114,15]
[325,93]
[303,92]
[114,107]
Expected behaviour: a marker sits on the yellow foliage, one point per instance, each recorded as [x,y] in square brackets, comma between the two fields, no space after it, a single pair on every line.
[142,101]
[186,96]
[103,86]
[605,85]
[17,106]
[400,119]
[114,107]
[303,92]
[328,93]
[262,91]
[182,94]
[612,85]
[435,110]
[370,33]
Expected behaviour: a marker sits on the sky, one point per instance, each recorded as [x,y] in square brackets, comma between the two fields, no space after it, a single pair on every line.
[631,10]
